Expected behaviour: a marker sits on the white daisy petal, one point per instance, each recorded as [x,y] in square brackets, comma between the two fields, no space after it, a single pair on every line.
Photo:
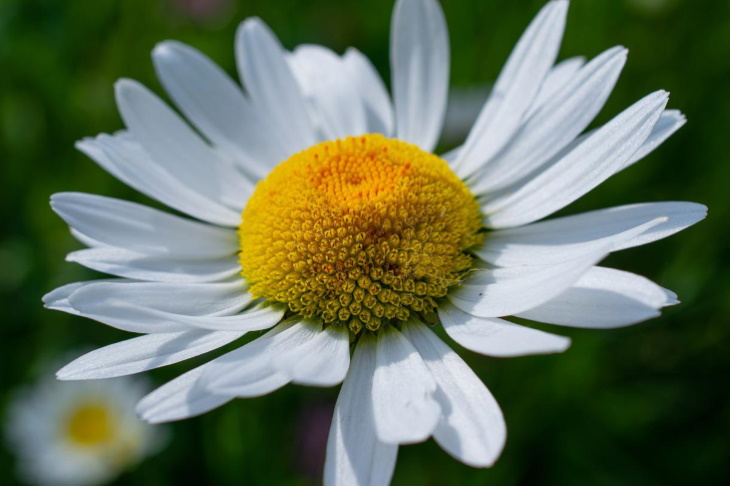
[57,299]
[512,247]
[419,62]
[604,298]
[669,122]
[354,453]
[555,124]
[139,228]
[141,307]
[558,239]
[129,264]
[378,107]
[586,166]
[179,399]
[178,149]
[144,353]
[515,89]
[404,408]
[506,291]
[251,370]
[133,318]
[193,299]
[558,77]
[323,361]
[271,85]
[496,337]
[472,428]
[124,158]
[215,104]
[332,93]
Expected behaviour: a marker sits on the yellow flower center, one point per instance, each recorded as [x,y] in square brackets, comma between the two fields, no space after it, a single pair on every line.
[362,231]
[90,425]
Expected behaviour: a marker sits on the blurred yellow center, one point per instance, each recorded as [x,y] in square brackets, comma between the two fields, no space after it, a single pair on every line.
[361,231]
[90,425]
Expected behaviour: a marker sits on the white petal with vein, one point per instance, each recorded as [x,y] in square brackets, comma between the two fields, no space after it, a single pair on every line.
[604,298]
[113,222]
[621,227]
[472,428]
[179,399]
[515,89]
[144,353]
[506,291]
[354,453]
[403,404]
[124,158]
[332,93]
[496,337]
[130,264]
[271,85]
[216,105]
[378,107]
[178,149]
[419,63]
[555,124]
[593,161]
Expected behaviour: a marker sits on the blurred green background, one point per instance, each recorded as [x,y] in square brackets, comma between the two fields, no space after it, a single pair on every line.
[644,405]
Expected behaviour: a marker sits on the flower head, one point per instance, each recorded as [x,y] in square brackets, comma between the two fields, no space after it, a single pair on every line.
[319,211]
[80,433]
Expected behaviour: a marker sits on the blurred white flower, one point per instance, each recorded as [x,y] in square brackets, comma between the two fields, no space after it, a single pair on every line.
[81,433]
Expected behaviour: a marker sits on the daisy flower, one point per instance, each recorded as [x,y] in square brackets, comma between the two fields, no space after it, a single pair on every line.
[80,433]
[316,207]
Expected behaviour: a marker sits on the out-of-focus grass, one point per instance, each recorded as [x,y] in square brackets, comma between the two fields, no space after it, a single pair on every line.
[643,405]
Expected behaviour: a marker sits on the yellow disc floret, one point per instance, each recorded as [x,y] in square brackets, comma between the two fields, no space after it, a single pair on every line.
[361,231]
[90,425]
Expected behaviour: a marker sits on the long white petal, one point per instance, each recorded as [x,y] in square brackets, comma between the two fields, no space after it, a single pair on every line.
[403,404]
[57,299]
[558,239]
[181,398]
[472,428]
[506,291]
[271,85]
[496,337]
[586,166]
[419,63]
[123,263]
[124,158]
[559,76]
[139,228]
[378,107]
[515,89]
[107,303]
[354,453]
[215,104]
[509,250]
[604,298]
[193,299]
[177,148]
[133,265]
[144,353]
[555,124]
[669,122]
[332,92]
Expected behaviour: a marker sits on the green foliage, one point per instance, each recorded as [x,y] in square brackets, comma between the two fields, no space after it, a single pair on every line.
[643,405]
